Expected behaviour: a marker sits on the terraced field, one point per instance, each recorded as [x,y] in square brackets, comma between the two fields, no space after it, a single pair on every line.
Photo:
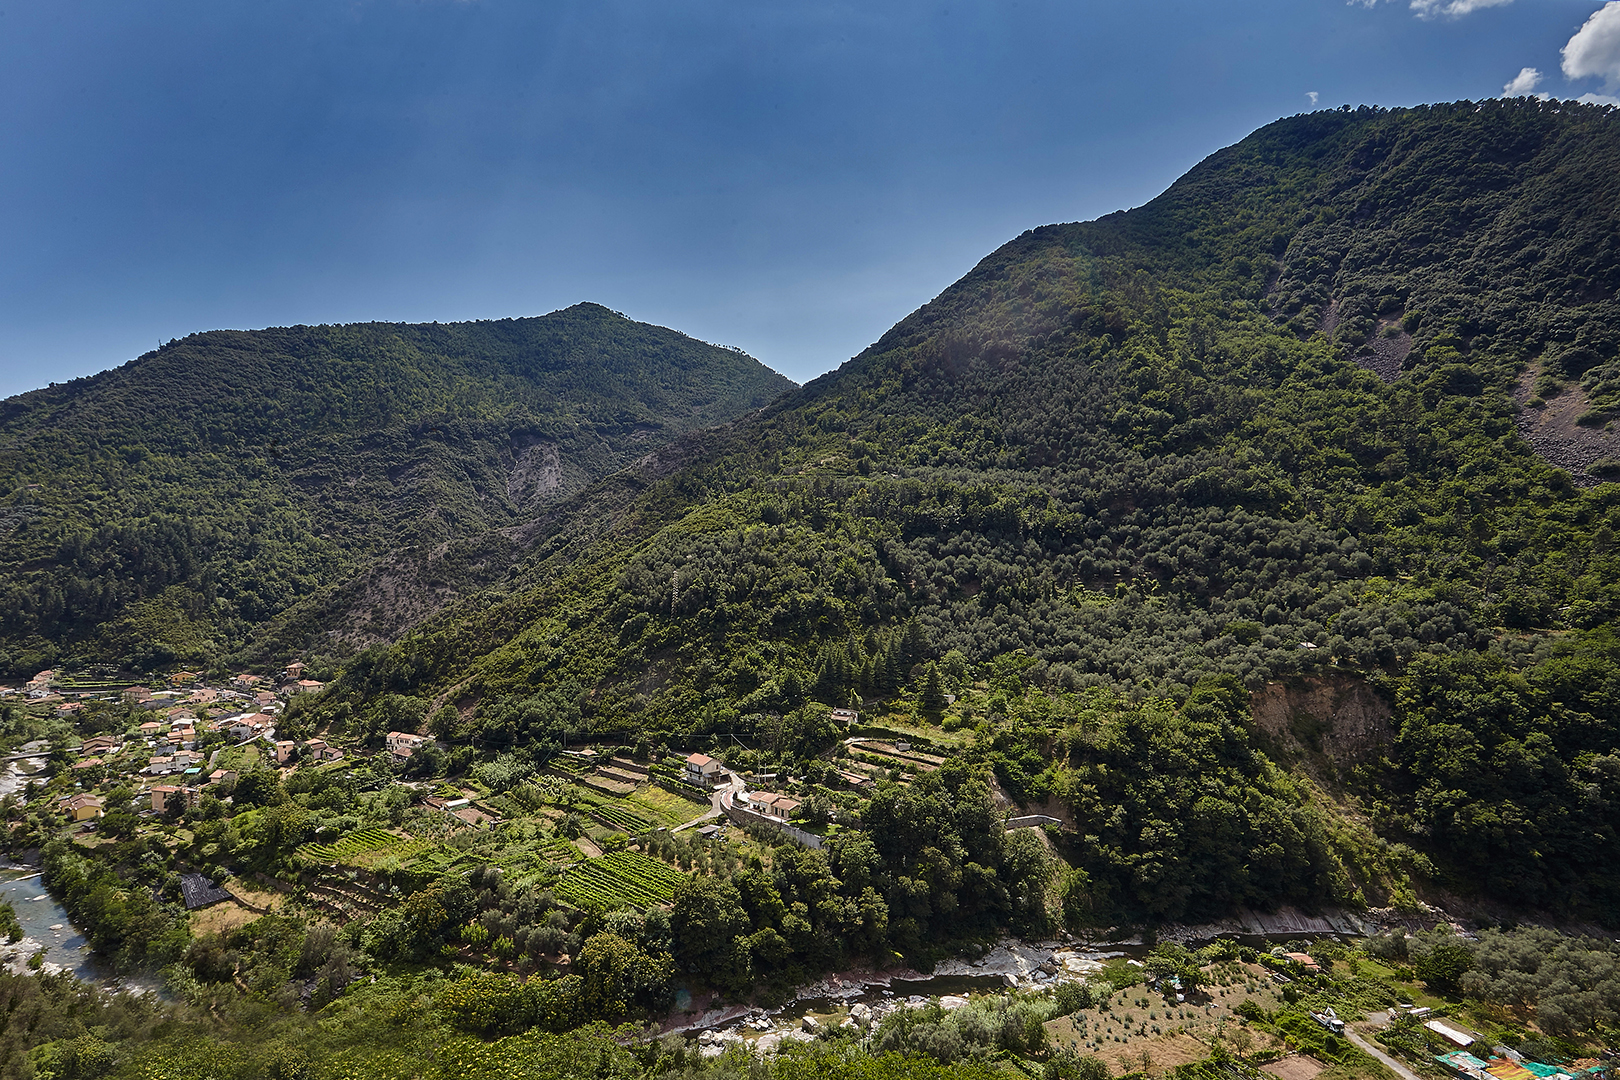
[620,878]
[616,817]
[668,808]
[366,848]
[559,852]
[570,766]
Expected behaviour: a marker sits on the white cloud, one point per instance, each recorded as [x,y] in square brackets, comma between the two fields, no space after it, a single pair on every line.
[1452,9]
[1429,9]
[1598,99]
[1313,95]
[1594,51]
[1523,84]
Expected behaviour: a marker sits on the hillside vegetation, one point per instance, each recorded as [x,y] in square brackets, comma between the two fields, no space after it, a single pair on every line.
[215,494]
[1257,429]
[1178,563]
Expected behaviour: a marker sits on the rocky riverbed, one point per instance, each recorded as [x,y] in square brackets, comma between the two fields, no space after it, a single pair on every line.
[861,998]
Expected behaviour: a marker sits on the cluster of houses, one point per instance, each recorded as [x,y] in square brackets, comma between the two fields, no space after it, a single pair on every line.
[174,733]
[180,762]
[703,771]
[183,691]
[174,759]
[36,689]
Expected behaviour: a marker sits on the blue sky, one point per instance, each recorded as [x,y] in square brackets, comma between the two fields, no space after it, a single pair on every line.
[788,178]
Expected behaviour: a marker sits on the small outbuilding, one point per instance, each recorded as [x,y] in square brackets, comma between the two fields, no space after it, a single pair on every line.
[198,891]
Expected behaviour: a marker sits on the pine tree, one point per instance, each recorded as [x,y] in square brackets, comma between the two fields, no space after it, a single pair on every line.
[933,694]
[828,685]
[913,644]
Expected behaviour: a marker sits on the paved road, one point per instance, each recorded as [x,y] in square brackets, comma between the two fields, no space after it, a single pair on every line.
[714,811]
[1394,1066]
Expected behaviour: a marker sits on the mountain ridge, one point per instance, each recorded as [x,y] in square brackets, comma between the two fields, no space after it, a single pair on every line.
[1135,455]
[340,442]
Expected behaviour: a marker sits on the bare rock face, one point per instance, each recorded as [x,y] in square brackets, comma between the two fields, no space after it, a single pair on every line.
[1385,352]
[1554,430]
[1338,719]
[536,473]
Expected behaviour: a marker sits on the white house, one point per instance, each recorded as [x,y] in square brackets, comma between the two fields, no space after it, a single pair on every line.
[402,744]
[780,807]
[703,770]
[250,726]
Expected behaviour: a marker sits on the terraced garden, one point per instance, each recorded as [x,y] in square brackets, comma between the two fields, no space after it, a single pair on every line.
[616,817]
[559,852]
[608,786]
[570,766]
[623,876]
[366,848]
[666,807]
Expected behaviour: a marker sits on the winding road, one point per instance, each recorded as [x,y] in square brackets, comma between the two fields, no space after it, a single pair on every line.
[714,811]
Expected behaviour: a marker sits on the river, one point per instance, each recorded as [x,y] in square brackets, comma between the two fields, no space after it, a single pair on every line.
[47,926]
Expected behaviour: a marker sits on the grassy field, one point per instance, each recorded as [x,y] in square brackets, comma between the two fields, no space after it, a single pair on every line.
[238,758]
[650,800]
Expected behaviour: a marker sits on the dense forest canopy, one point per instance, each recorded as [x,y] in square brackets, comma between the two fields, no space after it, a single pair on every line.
[1144,452]
[176,509]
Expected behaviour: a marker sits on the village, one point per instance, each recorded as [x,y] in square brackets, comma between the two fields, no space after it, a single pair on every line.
[193,742]
[602,827]
[198,739]
[188,743]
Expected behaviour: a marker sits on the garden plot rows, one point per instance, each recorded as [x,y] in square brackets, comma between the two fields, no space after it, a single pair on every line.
[615,817]
[559,852]
[364,848]
[618,878]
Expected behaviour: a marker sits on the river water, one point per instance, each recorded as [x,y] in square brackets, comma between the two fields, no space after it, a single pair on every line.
[47,926]
[18,771]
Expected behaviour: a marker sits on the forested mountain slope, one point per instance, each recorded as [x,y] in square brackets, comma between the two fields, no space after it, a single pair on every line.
[171,509]
[1260,427]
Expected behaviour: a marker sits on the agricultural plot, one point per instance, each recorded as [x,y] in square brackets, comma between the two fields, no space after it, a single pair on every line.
[616,817]
[352,844]
[405,853]
[559,852]
[539,790]
[624,876]
[367,848]
[609,787]
[666,807]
